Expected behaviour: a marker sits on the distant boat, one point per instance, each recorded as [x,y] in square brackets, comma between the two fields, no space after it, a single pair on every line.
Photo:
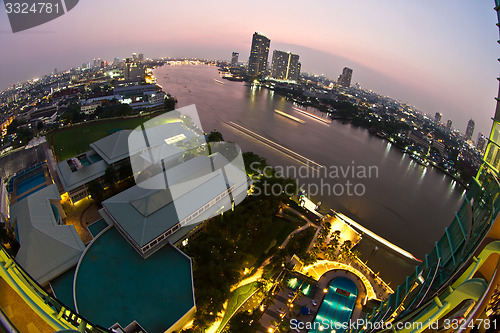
[219,81]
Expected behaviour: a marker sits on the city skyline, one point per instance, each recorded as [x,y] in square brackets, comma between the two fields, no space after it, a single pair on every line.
[445,63]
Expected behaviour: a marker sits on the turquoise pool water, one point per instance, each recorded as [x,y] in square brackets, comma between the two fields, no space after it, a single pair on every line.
[115,284]
[85,161]
[96,227]
[63,288]
[295,283]
[55,211]
[31,182]
[337,306]
[95,158]
[31,192]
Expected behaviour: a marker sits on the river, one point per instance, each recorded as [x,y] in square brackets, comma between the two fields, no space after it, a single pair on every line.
[400,200]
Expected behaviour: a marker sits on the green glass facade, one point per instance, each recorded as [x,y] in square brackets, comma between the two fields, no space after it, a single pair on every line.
[455,261]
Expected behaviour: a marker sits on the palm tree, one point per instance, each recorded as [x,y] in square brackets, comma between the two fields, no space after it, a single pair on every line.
[336,235]
[345,249]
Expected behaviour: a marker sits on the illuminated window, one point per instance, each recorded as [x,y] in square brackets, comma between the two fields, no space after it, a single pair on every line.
[175,139]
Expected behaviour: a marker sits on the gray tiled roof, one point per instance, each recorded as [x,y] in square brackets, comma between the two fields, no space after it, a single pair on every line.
[146,213]
[114,147]
[47,249]
[73,179]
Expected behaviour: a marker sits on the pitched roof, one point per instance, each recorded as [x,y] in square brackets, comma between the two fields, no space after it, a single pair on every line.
[72,179]
[47,249]
[145,212]
[114,147]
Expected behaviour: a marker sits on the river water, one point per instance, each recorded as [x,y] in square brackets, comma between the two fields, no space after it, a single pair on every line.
[406,203]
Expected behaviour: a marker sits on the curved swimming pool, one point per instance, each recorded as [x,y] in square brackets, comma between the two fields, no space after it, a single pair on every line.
[337,306]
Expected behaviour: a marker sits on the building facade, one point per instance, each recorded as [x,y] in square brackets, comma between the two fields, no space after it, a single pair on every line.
[470,129]
[438,117]
[285,66]
[345,78]
[133,71]
[449,124]
[234,59]
[257,63]
[481,142]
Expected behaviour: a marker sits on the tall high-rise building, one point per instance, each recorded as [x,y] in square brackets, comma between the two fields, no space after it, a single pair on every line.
[257,63]
[470,129]
[449,124]
[234,59]
[285,66]
[140,58]
[345,78]
[481,142]
[133,71]
[438,117]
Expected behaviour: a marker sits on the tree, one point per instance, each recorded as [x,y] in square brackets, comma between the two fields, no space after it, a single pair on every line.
[170,103]
[72,114]
[253,163]
[240,323]
[12,128]
[125,171]
[345,249]
[331,252]
[110,176]
[96,191]
[355,254]
[215,136]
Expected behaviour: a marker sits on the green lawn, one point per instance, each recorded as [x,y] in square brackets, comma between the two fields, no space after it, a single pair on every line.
[72,141]
[236,300]
[266,245]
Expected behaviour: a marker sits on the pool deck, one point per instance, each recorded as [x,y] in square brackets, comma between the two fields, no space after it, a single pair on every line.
[272,312]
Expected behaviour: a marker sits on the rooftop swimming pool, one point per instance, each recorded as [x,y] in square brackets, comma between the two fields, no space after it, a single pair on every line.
[96,227]
[62,286]
[31,182]
[115,284]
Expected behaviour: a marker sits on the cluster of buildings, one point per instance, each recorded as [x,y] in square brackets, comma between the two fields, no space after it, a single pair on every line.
[41,103]
[149,219]
[469,131]
[285,66]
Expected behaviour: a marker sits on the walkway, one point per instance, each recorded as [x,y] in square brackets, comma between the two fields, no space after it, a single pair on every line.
[307,225]
[20,314]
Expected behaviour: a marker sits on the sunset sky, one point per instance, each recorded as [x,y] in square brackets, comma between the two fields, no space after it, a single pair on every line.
[440,56]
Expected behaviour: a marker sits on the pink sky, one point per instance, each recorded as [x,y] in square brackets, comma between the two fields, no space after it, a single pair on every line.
[437,55]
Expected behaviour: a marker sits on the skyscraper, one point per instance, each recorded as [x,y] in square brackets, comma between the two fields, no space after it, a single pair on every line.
[345,78]
[234,60]
[140,59]
[481,142]
[448,124]
[257,63]
[285,66]
[437,117]
[470,129]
